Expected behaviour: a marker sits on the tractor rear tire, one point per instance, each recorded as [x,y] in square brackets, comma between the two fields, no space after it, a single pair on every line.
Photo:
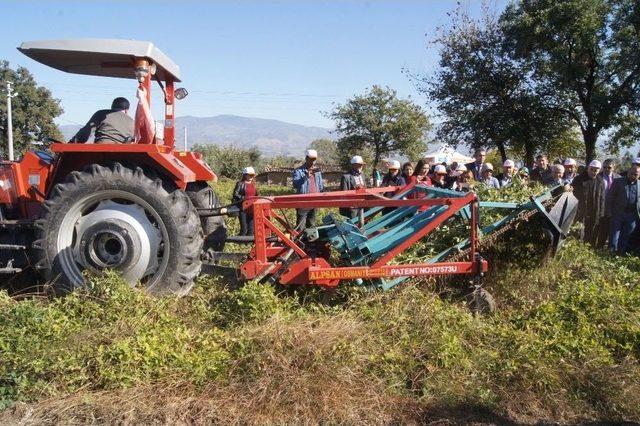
[215,230]
[117,217]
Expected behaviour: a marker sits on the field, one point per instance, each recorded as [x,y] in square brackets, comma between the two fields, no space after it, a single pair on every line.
[564,346]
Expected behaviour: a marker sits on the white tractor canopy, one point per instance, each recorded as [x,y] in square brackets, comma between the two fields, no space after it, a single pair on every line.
[101,57]
[446,154]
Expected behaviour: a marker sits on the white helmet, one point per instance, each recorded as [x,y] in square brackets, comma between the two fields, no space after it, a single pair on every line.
[395,165]
[356,159]
[248,171]
[311,153]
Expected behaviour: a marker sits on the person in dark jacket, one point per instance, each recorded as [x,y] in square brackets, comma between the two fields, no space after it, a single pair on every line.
[245,188]
[392,178]
[623,205]
[589,189]
[109,125]
[608,175]
[307,179]
[353,180]
[476,166]
[542,172]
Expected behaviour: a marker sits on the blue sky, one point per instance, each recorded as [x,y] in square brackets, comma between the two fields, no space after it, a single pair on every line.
[284,60]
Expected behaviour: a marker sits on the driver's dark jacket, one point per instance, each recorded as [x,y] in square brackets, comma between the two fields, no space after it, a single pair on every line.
[110,126]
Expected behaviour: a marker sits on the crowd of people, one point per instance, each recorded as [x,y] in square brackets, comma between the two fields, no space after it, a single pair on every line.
[608,202]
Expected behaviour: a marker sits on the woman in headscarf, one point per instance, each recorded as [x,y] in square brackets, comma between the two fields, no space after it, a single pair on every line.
[245,188]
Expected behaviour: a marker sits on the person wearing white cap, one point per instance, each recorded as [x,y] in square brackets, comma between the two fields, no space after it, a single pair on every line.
[590,190]
[392,178]
[354,179]
[508,170]
[439,177]
[307,179]
[461,183]
[245,188]
[623,203]
[570,169]
[487,176]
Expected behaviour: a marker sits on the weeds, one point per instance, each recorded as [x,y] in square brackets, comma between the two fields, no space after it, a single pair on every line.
[564,346]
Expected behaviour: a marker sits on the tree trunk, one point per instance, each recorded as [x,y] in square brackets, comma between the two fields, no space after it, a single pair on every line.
[503,151]
[529,154]
[376,160]
[590,136]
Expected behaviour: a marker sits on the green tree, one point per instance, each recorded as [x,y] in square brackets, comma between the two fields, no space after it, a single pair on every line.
[487,97]
[327,151]
[380,123]
[588,51]
[33,109]
[280,161]
[228,161]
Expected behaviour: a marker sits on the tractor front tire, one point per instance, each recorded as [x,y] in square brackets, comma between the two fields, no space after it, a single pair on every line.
[117,217]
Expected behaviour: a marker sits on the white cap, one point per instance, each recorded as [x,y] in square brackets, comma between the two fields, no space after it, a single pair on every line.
[596,164]
[508,163]
[487,166]
[440,169]
[570,162]
[461,168]
[311,153]
[248,171]
[636,161]
[356,159]
[395,164]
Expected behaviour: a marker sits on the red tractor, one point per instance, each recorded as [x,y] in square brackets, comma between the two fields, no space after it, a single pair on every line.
[130,207]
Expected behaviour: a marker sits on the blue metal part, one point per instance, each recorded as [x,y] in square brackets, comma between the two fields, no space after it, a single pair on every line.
[380,234]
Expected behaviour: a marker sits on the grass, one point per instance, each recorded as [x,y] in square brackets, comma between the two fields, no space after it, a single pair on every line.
[564,347]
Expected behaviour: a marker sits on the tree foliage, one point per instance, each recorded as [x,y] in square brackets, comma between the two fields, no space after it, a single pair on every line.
[488,97]
[327,151]
[228,161]
[33,109]
[587,51]
[381,123]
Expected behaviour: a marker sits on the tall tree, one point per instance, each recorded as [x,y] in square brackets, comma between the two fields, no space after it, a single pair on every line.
[588,50]
[33,109]
[487,96]
[381,123]
[327,150]
[229,160]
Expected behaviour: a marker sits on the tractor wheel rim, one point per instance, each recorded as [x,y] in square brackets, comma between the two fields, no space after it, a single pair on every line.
[113,229]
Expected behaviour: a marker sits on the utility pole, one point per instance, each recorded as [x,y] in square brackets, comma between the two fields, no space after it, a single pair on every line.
[10,95]
[185,138]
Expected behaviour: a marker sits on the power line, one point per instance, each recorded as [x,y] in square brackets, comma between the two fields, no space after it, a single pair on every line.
[218,92]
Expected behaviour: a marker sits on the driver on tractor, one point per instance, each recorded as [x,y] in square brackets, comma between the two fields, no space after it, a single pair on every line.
[110,125]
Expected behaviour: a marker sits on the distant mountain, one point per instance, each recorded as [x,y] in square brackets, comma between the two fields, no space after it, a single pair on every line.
[273,137]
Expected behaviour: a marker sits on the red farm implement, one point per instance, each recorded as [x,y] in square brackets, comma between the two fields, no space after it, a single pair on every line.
[366,250]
